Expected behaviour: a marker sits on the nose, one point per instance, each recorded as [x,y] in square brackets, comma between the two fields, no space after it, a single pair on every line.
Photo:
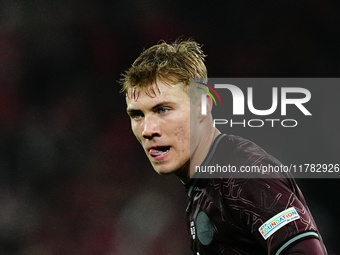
[151,127]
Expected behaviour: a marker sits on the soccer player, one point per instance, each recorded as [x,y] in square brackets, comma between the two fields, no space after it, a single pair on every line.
[225,215]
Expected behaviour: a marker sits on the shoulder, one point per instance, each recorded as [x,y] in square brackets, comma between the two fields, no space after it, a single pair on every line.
[243,151]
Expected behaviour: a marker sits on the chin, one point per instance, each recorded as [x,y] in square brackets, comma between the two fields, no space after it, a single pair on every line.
[163,171]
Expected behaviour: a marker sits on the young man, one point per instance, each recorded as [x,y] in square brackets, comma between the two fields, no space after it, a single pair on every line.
[226,215]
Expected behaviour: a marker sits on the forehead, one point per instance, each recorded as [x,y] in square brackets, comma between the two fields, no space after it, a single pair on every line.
[156,94]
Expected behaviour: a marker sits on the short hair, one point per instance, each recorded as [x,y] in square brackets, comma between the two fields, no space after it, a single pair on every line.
[180,61]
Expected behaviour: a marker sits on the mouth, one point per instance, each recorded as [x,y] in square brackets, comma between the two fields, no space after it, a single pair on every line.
[159,152]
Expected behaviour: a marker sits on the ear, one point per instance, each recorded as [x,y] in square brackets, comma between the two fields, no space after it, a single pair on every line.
[205,106]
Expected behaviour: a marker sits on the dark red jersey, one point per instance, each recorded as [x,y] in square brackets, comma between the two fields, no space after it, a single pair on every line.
[246,216]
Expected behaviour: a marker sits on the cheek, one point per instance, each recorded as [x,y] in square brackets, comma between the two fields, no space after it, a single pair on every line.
[183,137]
[135,129]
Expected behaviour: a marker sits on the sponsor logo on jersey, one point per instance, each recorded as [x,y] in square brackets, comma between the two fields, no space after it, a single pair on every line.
[278,221]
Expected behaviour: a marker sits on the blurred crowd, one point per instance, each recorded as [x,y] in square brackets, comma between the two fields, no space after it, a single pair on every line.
[73,179]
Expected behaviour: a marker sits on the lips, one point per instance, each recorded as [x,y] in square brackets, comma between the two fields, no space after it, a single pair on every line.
[159,152]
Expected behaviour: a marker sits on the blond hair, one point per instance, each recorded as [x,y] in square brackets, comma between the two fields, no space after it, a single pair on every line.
[174,63]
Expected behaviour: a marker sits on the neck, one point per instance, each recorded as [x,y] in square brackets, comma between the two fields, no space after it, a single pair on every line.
[202,149]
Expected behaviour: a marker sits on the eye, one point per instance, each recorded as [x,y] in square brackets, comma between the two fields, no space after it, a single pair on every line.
[136,115]
[163,110]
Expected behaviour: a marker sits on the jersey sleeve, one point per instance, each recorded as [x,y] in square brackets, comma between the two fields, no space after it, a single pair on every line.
[272,211]
[307,246]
